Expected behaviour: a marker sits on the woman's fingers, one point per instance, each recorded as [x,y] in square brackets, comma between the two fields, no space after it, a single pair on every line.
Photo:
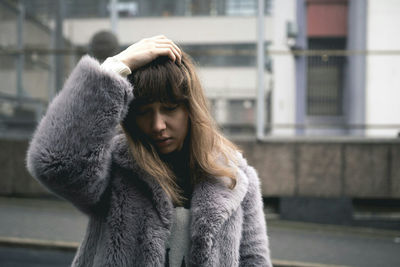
[167,41]
[166,52]
[148,49]
[161,36]
[161,41]
[173,46]
[177,52]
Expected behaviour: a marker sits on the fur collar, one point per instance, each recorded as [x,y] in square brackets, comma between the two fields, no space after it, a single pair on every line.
[212,201]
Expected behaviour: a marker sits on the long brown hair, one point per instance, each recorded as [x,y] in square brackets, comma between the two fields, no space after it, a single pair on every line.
[209,151]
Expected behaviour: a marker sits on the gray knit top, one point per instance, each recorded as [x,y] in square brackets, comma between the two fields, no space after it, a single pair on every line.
[178,244]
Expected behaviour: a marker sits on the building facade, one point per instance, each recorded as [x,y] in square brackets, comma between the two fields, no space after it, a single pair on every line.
[331,65]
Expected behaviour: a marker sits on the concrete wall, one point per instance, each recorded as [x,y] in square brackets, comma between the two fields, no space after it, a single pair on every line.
[14,178]
[287,167]
[327,168]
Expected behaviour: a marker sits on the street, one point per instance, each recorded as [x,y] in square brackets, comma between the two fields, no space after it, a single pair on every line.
[52,221]
[28,257]
[333,245]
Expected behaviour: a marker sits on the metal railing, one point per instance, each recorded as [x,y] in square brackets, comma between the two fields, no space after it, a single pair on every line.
[34,65]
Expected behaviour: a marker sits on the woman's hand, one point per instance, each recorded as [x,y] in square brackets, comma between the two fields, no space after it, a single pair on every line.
[146,50]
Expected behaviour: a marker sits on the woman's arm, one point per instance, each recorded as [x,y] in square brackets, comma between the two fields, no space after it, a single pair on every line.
[70,152]
[254,245]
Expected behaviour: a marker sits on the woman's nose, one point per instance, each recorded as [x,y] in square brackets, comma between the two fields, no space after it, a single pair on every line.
[158,123]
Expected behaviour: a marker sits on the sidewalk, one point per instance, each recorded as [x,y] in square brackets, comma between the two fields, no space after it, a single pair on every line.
[57,224]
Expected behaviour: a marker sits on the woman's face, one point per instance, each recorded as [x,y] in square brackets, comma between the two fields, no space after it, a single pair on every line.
[164,124]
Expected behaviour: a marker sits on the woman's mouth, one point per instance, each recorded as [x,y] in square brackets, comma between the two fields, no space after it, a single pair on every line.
[163,142]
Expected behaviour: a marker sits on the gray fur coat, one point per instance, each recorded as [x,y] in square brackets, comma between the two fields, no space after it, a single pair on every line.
[77,153]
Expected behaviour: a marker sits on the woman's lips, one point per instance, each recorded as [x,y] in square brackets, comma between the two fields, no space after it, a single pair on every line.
[163,142]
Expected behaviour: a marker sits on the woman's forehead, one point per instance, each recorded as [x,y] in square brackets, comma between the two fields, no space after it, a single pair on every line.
[160,98]
[157,103]
[148,101]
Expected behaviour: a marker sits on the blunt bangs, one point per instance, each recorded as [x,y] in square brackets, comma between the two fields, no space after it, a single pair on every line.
[160,81]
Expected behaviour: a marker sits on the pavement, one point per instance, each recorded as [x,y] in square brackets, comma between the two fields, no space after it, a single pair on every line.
[57,225]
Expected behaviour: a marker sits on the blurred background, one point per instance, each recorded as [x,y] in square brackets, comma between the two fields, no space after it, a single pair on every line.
[329,66]
[309,89]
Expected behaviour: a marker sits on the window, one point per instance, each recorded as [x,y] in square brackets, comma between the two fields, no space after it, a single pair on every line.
[325,78]
[226,55]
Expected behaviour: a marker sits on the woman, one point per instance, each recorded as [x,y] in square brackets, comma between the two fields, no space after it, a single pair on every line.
[167,189]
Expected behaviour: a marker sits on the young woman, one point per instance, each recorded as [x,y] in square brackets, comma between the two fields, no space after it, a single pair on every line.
[132,144]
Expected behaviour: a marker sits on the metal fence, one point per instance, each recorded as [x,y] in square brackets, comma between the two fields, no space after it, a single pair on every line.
[32,65]
[36,59]
[150,8]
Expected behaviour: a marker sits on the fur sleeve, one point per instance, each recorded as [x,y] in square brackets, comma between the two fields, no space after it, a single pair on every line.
[254,245]
[70,149]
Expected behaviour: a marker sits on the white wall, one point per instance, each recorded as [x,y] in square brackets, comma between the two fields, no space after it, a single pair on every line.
[187,30]
[383,71]
[235,82]
[283,92]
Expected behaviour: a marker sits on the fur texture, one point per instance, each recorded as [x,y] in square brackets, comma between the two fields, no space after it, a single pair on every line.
[77,153]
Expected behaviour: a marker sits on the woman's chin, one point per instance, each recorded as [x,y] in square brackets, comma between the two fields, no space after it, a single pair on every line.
[165,150]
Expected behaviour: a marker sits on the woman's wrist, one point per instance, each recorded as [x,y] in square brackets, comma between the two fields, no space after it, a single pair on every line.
[123,60]
[116,65]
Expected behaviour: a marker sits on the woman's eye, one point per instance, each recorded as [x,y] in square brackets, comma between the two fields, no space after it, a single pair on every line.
[141,111]
[171,107]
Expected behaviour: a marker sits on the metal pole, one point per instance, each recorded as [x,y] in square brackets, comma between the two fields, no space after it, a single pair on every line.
[21,56]
[260,67]
[52,70]
[114,16]
[59,44]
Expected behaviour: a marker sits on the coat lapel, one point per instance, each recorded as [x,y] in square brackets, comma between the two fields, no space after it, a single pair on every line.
[211,206]
[123,158]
